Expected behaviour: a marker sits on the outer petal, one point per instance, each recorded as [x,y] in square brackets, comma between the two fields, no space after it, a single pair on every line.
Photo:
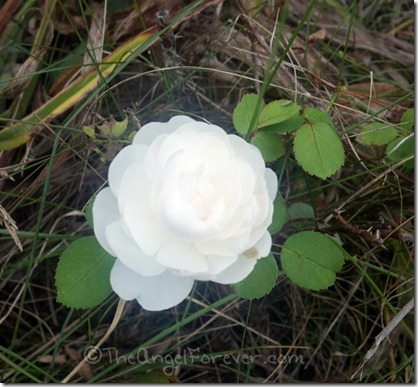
[135,205]
[182,256]
[153,293]
[218,247]
[144,228]
[127,156]
[105,212]
[271,183]
[129,253]
[263,246]
[238,223]
[237,271]
[200,127]
[218,264]
[249,153]
[203,143]
[149,132]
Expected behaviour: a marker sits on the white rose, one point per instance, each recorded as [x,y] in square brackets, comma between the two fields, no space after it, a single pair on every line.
[185,202]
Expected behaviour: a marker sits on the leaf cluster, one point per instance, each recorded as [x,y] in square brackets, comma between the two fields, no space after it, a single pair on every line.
[309,259]
[316,145]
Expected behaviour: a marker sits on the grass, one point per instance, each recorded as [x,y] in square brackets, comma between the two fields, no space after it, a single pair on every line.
[223,51]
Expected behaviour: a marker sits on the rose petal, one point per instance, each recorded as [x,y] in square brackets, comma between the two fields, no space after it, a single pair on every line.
[201,127]
[127,156]
[201,144]
[249,153]
[271,183]
[105,212]
[182,256]
[129,253]
[211,150]
[174,143]
[151,163]
[152,130]
[227,185]
[257,234]
[153,293]
[137,212]
[219,263]
[263,246]
[238,224]
[134,186]
[124,280]
[181,210]
[217,247]
[144,229]
[237,271]
[246,177]
[266,218]
[232,239]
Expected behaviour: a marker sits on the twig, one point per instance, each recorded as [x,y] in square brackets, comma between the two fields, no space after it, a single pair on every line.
[384,334]
[366,234]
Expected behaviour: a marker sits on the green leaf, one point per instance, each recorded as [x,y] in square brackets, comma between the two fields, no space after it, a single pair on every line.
[12,137]
[276,112]
[83,274]
[244,112]
[89,131]
[301,211]
[119,127]
[311,260]
[302,216]
[89,211]
[279,214]
[270,145]
[260,281]
[378,133]
[313,116]
[105,129]
[318,149]
[401,148]
[285,126]
[132,135]
[408,120]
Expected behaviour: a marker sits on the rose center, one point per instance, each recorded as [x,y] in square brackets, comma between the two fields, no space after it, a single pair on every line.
[188,206]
